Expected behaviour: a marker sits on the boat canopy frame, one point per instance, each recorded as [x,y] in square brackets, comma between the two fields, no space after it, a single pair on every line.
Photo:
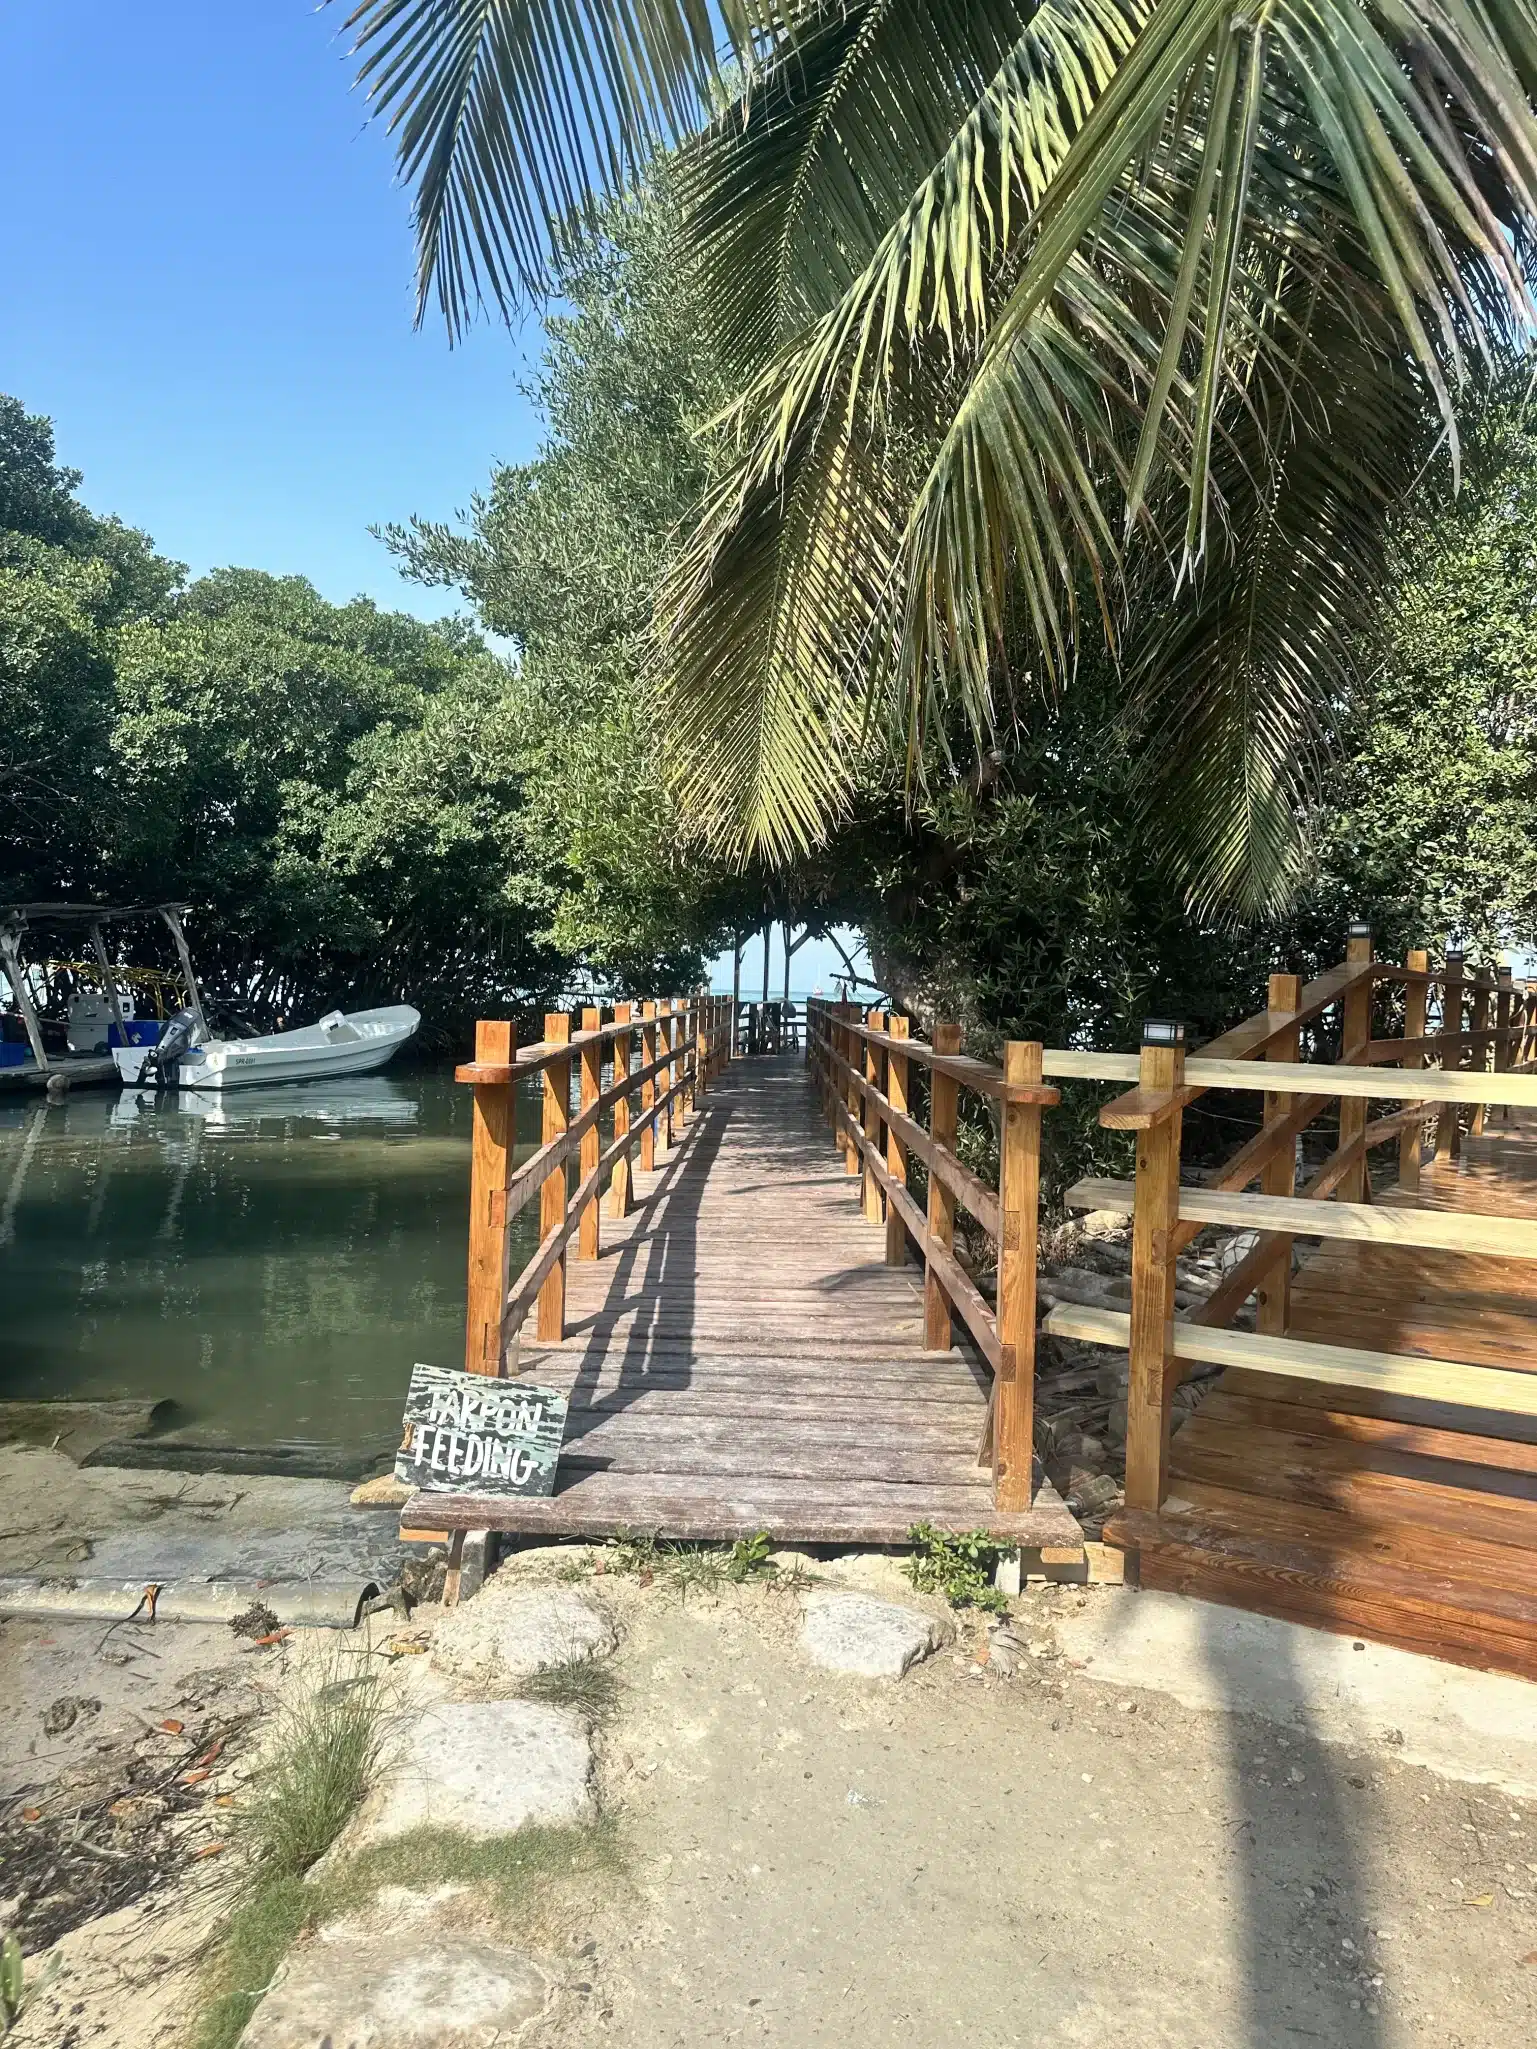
[19,918]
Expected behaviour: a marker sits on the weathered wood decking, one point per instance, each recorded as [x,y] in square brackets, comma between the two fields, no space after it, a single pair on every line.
[740,1357]
[1411,1522]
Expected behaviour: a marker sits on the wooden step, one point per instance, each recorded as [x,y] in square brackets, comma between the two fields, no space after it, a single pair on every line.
[1334,1584]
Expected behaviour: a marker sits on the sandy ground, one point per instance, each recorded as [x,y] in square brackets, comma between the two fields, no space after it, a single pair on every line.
[1045,1860]
[956,1858]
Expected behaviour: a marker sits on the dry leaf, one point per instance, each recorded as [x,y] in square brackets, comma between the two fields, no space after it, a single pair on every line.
[173,1728]
[193,1778]
[274,1636]
[1484,1899]
[32,1814]
[208,1850]
[224,1800]
[212,1751]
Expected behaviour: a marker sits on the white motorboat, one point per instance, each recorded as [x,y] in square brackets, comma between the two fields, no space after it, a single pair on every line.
[354,1043]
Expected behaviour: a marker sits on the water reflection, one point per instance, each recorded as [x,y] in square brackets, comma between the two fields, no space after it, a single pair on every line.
[273,1261]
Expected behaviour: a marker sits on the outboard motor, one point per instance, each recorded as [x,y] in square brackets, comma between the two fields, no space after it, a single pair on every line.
[160,1067]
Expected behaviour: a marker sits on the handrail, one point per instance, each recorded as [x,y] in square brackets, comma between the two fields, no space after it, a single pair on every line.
[684,1044]
[868,1107]
[1483,1057]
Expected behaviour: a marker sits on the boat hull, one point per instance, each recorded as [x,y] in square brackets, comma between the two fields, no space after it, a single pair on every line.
[356,1044]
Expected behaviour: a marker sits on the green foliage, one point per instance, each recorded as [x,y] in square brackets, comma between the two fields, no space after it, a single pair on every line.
[1426,821]
[257,1935]
[751,1558]
[959,1567]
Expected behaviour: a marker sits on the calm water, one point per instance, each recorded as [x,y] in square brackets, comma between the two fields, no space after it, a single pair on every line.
[273,1262]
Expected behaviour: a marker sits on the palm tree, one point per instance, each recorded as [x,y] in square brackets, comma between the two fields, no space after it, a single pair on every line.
[1045,317]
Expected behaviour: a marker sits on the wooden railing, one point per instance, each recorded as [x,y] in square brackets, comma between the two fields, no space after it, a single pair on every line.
[863,1063]
[1479,1068]
[661,1057]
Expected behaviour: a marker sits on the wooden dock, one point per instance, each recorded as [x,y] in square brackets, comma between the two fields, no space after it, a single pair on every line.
[1410,1521]
[740,1357]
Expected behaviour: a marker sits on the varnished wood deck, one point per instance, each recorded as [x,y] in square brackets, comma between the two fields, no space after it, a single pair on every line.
[740,1358]
[1410,1522]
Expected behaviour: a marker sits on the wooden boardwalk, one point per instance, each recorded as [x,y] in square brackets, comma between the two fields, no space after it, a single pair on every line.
[740,1357]
[1409,1521]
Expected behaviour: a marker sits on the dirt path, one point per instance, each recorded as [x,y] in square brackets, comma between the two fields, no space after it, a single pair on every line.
[958,1859]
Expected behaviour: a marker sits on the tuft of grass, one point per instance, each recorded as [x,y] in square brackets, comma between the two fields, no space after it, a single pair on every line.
[959,1567]
[587,1685]
[324,1756]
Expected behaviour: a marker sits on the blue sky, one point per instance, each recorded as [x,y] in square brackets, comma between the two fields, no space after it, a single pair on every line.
[207,285]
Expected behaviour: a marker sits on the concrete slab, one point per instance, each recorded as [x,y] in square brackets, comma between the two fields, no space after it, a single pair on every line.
[1476,1726]
[484,1766]
[509,1632]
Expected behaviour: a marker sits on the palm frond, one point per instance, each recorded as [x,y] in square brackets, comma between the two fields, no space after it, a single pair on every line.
[1240,686]
[510,117]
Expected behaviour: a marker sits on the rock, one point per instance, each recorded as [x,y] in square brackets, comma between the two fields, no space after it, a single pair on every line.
[510,1632]
[1111,1379]
[383,1491]
[873,1639]
[401,1975]
[484,1766]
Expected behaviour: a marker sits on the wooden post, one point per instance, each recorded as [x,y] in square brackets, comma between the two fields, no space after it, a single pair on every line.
[852,1101]
[1278,1176]
[493,1135]
[649,1055]
[944,1103]
[896,1151]
[839,1041]
[551,1325]
[1019,1201]
[1479,1056]
[172,916]
[1416,1004]
[870,1120]
[1448,1130]
[1155,1217]
[1504,1010]
[10,953]
[673,1116]
[589,1226]
[619,1180]
[1356,1032]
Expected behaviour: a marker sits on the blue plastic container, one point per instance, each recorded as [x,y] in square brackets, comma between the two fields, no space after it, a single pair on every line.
[138,1031]
[14,1056]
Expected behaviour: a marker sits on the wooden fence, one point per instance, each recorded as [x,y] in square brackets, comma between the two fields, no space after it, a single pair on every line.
[1473,1062]
[863,1067]
[658,1059]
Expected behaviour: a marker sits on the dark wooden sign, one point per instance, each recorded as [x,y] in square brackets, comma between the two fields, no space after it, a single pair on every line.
[467,1433]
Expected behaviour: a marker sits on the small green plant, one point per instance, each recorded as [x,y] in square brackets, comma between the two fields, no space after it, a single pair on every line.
[959,1567]
[749,1559]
